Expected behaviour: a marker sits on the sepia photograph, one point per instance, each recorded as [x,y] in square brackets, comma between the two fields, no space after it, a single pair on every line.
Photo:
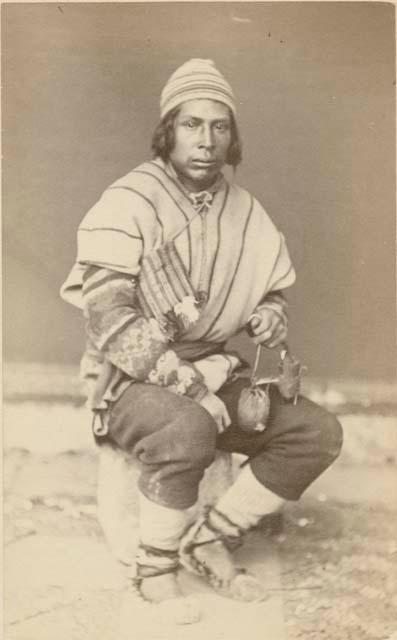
[199,320]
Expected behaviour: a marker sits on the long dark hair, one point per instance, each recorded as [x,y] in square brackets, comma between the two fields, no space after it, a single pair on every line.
[163,139]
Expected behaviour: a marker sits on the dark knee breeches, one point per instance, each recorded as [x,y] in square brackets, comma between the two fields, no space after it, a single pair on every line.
[175,439]
[300,441]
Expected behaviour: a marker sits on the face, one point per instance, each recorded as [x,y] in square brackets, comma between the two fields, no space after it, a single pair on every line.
[202,140]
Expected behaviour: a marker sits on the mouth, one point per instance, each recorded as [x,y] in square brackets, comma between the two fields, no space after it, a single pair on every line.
[203,163]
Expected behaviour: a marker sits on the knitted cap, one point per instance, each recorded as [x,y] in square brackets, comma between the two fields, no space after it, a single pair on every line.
[196,79]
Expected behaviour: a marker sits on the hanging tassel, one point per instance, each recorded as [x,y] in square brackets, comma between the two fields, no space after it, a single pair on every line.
[289,380]
[254,403]
[186,312]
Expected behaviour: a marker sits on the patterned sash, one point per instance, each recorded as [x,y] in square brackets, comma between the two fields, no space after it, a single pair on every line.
[165,291]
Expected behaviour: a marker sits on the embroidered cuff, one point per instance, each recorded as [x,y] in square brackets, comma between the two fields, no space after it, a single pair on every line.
[137,349]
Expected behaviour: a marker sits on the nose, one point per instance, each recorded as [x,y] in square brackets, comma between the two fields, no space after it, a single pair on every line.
[207,139]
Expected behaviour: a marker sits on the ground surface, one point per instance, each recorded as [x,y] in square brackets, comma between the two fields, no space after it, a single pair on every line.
[331,571]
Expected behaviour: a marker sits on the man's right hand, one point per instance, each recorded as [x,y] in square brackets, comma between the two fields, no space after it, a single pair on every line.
[217,409]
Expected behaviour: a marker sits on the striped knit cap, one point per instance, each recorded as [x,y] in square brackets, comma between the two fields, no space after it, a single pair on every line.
[196,79]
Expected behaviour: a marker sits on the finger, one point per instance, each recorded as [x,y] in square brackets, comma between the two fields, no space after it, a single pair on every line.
[270,340]
[224,418]
[261,326]
[263,336]
[254,321]
[277,339]
[219,423]
[224,424]
[278,328]
[227,422]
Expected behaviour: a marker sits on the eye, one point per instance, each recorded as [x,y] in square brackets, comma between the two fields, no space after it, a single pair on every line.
[222,126]
[190,124]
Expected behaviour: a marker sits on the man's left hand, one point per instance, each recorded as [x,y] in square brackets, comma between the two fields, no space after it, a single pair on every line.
[268,328]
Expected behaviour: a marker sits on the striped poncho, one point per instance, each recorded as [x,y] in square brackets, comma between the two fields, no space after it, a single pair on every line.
[230,253]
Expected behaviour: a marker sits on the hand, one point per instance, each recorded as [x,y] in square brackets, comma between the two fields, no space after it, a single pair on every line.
[217,409]
[268,328]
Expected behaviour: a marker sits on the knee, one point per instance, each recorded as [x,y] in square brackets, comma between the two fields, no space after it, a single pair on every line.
[203,432]
[331,436]
[196,441]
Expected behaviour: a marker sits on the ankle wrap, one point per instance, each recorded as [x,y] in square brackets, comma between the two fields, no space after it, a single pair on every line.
[214,527]
[224,529]
[215,564]
[151,561]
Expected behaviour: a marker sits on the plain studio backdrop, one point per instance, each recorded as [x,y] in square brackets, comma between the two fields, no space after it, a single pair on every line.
[315,90]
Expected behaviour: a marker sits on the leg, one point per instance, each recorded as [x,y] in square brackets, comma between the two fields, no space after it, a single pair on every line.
[298,444]
[173,438]
[300,441]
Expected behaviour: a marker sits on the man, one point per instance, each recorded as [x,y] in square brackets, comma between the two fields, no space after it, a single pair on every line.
[172,261]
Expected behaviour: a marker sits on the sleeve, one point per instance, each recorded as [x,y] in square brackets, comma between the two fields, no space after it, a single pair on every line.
[110,235]
[283,274]
[131,342]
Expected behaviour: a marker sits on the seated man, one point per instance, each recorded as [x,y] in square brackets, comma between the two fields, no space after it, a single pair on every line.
[172,262]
